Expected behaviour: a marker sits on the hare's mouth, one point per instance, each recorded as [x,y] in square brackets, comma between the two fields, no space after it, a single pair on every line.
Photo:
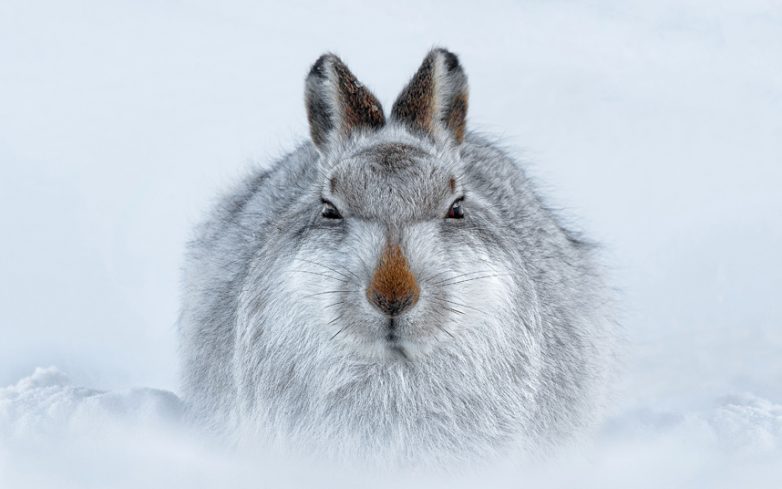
[394,341]
[398,343]
[393,334]
[399,351]
[387,339]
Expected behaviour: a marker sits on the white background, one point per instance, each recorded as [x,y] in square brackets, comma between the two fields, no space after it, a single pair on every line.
[655,126]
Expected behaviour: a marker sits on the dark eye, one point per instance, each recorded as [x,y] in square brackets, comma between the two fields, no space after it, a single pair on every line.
[329,211]
[456,211]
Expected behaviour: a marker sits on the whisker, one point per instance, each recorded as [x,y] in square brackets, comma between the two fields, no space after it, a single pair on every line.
[329,268]
[329,292]
[462,275]
[459,304]
[343,328]
[477,278]
[457,311]
[445,331]
[321,274]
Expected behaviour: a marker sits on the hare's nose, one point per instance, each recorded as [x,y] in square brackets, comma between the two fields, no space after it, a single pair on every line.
[393,288]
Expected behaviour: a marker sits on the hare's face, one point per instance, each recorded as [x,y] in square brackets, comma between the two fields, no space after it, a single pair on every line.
[397,259]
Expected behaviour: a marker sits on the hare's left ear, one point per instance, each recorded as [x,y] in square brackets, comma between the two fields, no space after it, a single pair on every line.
[435,101]
[337,103]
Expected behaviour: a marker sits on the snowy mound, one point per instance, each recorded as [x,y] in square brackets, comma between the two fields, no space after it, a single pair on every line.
[739,424]
[46,403]
[54,434]
[747,424]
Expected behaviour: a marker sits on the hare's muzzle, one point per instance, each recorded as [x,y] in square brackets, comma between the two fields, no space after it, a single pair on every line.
[393,288]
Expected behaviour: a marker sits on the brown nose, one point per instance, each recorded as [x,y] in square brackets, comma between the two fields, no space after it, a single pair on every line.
[393,288]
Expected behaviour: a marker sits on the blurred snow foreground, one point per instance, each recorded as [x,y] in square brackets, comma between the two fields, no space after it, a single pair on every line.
[47,403]
[55,434]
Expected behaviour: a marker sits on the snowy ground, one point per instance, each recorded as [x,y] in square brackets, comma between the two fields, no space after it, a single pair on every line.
[656,125]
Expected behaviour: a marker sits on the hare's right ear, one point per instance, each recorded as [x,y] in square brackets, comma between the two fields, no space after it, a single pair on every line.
[434,103]
[338,104]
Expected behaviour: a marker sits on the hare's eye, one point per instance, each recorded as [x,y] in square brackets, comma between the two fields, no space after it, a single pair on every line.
[456,211]
[330,211]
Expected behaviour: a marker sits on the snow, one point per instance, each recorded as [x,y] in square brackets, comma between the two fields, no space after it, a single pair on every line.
[655,125]
[46,403]
[55,434]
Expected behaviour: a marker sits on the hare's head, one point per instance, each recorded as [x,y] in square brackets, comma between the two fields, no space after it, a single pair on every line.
[397,255]
[394,289]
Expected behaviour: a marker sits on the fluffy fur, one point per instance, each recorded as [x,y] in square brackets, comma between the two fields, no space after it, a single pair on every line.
[505,346]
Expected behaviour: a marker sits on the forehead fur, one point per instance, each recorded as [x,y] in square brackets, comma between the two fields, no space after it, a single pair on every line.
[392,156]
[391,181]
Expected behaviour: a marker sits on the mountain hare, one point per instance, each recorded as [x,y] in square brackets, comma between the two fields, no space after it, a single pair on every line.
[393,290]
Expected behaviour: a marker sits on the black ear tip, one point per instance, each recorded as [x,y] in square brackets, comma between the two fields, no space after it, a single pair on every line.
[319,68]
[451,60]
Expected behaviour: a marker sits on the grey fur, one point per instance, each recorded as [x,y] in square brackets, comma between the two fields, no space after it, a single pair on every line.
[507,348]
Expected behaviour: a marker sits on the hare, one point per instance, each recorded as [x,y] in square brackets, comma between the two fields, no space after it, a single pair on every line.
[393,289]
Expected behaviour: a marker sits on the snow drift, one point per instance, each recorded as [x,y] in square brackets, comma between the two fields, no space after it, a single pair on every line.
[55,434]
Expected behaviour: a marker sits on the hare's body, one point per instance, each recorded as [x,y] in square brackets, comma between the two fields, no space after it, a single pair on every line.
[432,309]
